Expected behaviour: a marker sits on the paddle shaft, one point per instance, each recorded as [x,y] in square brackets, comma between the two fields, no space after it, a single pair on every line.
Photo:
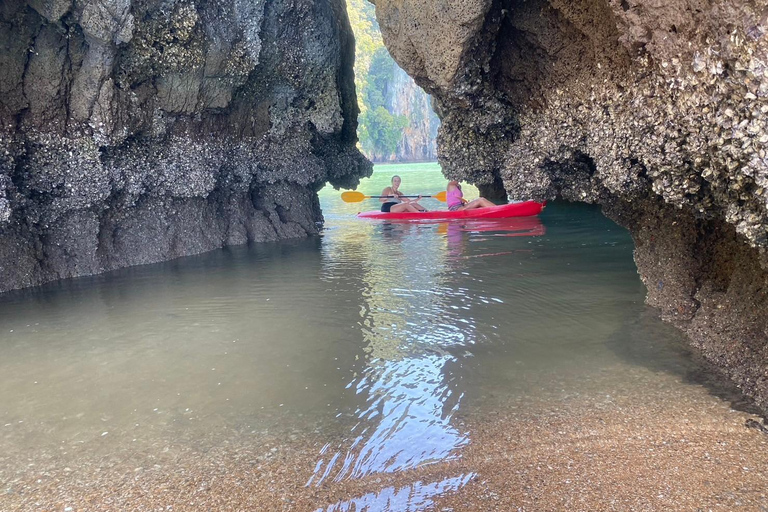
[393,197]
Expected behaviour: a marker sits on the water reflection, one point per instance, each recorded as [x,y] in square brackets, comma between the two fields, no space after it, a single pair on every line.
[371,340]
[405,423]
[416,332]
[411,498]
[483,230]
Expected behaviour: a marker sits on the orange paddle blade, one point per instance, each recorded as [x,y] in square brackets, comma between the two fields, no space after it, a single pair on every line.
[440,196]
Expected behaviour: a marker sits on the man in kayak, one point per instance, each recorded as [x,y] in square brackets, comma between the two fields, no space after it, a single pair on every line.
[455,199]
[395,202]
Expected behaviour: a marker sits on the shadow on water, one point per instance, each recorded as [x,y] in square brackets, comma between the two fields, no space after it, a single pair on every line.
[139,279]
[637,342]
[645,340]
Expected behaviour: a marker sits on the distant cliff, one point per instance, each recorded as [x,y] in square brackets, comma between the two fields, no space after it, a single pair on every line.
[135,131]
[419,141]
[397,122]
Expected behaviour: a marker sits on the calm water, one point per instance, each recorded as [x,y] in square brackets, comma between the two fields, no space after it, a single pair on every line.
[376,336]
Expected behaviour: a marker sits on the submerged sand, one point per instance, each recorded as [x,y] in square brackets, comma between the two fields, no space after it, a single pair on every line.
[652,447]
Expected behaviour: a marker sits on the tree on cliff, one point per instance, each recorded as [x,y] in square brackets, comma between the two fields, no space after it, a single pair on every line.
[362,17]
[381,131]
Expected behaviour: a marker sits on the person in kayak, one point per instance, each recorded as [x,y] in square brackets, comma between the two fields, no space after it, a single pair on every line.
[455,199]
[395,202]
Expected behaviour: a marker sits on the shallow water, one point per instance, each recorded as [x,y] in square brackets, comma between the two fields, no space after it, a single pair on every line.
[382,338]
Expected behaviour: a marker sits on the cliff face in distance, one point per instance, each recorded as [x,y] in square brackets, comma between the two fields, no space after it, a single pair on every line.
[134,131]
[419,141]
[397,122]
[656,110]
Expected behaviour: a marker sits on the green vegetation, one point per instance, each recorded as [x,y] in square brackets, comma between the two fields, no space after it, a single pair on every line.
[367,39]
[379,131]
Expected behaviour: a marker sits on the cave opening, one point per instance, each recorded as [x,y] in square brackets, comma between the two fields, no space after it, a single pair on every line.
[397,122]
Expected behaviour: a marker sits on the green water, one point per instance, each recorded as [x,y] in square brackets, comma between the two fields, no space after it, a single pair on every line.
[376,335]
[417,179]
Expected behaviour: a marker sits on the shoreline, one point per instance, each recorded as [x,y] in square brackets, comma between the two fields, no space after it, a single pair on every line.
[597,452]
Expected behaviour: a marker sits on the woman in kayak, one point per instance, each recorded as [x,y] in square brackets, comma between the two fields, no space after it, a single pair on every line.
[395,202]
[455,199]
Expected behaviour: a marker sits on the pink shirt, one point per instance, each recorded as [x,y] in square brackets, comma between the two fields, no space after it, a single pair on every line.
[453,197]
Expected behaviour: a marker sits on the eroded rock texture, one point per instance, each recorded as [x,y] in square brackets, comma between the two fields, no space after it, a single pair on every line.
[656,110]
[134,131]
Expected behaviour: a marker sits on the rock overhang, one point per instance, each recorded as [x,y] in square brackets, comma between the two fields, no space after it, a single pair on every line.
[657,111]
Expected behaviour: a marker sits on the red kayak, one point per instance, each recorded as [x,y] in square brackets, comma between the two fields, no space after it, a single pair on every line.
[524,209]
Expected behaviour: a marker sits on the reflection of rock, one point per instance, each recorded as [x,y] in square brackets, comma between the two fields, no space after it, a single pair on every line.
[655,110]
[134,132]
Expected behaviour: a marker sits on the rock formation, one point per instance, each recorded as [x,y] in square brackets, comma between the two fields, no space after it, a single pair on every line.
[419,142]
[134,131]
[656,110]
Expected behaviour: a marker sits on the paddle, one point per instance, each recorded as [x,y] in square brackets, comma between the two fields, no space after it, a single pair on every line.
[352,196]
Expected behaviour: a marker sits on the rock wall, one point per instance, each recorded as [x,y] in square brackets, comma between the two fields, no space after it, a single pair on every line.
[656,110]
[134,131]
[419,142]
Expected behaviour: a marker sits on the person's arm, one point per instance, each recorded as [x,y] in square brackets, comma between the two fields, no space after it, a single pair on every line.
[406,200]
[386,192]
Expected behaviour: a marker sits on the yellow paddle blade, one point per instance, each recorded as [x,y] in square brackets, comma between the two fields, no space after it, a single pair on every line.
[440,196]
[352,196]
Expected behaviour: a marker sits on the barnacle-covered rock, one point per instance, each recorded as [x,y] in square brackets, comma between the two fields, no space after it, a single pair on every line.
[656,110]
[133,131]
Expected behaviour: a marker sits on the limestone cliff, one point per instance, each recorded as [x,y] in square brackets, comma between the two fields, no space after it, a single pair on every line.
[419,142]
[134,131]
[405,127]
[656,110]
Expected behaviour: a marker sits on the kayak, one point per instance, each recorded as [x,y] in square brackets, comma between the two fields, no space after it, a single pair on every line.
[524,209]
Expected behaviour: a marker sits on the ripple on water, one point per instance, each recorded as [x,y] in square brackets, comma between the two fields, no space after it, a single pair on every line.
[370,346]
[405,422]
[411,498]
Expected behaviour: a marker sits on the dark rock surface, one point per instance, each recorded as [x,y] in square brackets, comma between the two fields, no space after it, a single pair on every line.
[134,131]
[656,110]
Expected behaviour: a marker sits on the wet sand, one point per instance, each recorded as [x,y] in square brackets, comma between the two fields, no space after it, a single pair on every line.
[675,450]
[472,389]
